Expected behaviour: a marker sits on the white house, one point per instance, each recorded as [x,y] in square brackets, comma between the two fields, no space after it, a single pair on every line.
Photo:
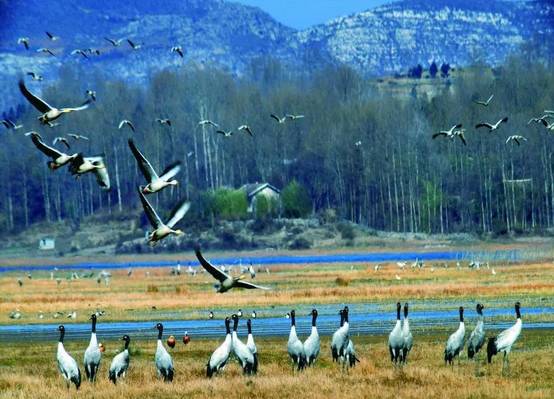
[45,244]
[254,191]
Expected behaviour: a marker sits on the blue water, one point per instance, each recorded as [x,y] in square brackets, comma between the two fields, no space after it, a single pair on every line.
[360,324]
[505,255]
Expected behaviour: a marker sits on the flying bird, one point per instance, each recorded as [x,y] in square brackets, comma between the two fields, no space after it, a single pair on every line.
[59,158]
[294,117]
[542,119]
[484,103]
[51,36]
[79,51]
[96,164]
[280,120]
[208,122]
[126,122]
[226,281]
[161,229]
[91,94]
[494,127]
[24,41]
[77,136]
[135,46]
[155,182]
[164,121]
[224,133]
[45,50]
[453,132]
[49,113]
[10,124]
[63,140]
[247,129]
[35,76]
[114,42]
[515,138]
[178,50]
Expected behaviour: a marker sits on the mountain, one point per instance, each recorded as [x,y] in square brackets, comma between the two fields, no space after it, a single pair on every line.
[218,33]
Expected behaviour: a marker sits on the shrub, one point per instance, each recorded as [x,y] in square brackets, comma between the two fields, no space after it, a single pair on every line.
[229,204]
[296,202]
[342,281]
[346,231]
[152,288]
[300,243]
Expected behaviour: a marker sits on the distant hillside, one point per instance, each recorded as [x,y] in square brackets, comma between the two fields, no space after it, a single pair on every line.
[387,39]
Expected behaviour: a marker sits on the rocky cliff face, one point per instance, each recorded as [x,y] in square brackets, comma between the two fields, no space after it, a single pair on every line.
[222,34]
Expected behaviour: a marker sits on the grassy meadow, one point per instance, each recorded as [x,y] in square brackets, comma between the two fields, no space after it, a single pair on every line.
[29,369]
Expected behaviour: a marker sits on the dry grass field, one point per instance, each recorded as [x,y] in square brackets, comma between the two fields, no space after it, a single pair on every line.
[187,297]
[29,371]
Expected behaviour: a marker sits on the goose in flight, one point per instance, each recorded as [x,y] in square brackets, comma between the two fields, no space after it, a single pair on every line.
[452,133]
[247,129]
[51,36]
[178,50]
[515,138]
[226,281]
[78,136]
[62,140]
[208,122]
[49,113]
[10,124]
[35,76]
[59,158]
[280,120]
[484,103]
[155,182]
[541,119]
[224,133]
[81,165]
[45,50]
[164,121]
[126,122]
[24,41]
[114,42]
[161,229]
[294,117]
[134,46]
[80,52]
[494,127]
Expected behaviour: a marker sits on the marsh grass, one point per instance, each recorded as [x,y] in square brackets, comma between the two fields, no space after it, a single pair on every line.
[29,371]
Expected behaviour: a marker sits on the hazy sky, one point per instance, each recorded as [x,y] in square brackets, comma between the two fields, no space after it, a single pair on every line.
[300,14]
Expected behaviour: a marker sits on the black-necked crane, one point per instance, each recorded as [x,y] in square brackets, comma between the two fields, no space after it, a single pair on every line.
[312,343]
[162,359]
[49,113]
[250,344]
[339,340]
[120,362]
[504,341]
[350,357]
[241,351]
[93,355]
[66,364]
[396,339]
[455,343]
[220,356]
[155,182]
[295,348]
[407,335]
[477,337]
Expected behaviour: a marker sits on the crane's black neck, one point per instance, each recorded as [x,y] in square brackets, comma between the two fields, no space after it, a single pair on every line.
[160,332]
[93,324]
[518,313]
[228,326]
[235,323]
[314,318]
[292,319]
[346,316]
[127,343]
[461,315]
[398,308]
[341,318]
[406,311]
[249,325]
[62,333]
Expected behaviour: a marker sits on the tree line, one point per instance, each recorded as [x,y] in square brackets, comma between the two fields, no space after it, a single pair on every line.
[360,151]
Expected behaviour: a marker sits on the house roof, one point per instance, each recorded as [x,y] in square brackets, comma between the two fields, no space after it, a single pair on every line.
[254,188]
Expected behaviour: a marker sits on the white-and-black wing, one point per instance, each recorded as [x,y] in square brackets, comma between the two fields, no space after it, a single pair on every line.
[153,217]
[214,271]
[51,152]
[145,167]
[37,102]
[171,171]
[179,212]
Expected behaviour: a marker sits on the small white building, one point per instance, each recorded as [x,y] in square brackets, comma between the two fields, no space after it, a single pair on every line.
[46,244]
[254,191]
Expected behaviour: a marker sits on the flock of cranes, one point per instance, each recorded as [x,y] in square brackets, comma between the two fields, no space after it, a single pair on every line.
[457,130]
[302,354]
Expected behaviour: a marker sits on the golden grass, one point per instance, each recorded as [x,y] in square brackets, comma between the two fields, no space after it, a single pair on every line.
[293,285]
[29,371]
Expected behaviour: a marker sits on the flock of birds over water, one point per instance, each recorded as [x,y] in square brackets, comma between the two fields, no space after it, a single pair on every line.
[302,354]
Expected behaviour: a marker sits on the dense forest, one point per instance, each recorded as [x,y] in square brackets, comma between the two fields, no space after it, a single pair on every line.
[360,151]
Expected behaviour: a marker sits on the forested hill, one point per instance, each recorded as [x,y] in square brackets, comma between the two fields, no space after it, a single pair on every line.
[215,33]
